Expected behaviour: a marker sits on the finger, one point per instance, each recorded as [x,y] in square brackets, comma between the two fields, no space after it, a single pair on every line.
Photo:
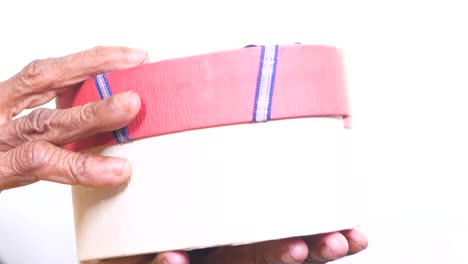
[140,259]
[63,126]
[40,160]
[287,251]
[357,240]
[173,257]
[326,247]
[42,80]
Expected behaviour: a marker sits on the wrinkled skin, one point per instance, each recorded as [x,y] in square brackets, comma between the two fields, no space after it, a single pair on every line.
[30,151]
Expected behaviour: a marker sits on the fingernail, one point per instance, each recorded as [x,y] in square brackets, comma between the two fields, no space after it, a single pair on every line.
[297,250]
[139,57]
[360,238]
[121,167]
[123,101]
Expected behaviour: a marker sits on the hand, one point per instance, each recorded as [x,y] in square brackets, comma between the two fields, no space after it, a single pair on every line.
[30,146]
[317,249]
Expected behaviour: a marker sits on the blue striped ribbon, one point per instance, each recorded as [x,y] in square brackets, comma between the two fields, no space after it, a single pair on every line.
[104,90]
[265,83]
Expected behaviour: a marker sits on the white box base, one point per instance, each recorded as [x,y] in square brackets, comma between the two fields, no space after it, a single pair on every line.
[221,186]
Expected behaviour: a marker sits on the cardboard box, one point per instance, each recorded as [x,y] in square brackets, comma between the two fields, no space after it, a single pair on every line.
[225,185]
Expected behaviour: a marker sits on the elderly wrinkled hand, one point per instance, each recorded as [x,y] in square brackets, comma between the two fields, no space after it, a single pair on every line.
[31,146]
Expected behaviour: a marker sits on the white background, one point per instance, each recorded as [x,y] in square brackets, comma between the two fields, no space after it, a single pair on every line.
[407,70]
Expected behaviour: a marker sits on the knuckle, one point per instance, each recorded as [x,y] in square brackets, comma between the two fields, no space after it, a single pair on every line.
[34,74]
[32,156]
[111,56]
[100,52]
[105,50]
[79,166]
[38,122]
[87,113]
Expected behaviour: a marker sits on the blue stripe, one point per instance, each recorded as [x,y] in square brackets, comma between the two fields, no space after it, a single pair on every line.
[265,83]
[272,85]
[259,79]
[116,137]
[104,76]
[120,135]
[125,132]
[98,87]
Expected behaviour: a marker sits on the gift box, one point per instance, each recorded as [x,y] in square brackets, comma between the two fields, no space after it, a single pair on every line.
[229,148]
